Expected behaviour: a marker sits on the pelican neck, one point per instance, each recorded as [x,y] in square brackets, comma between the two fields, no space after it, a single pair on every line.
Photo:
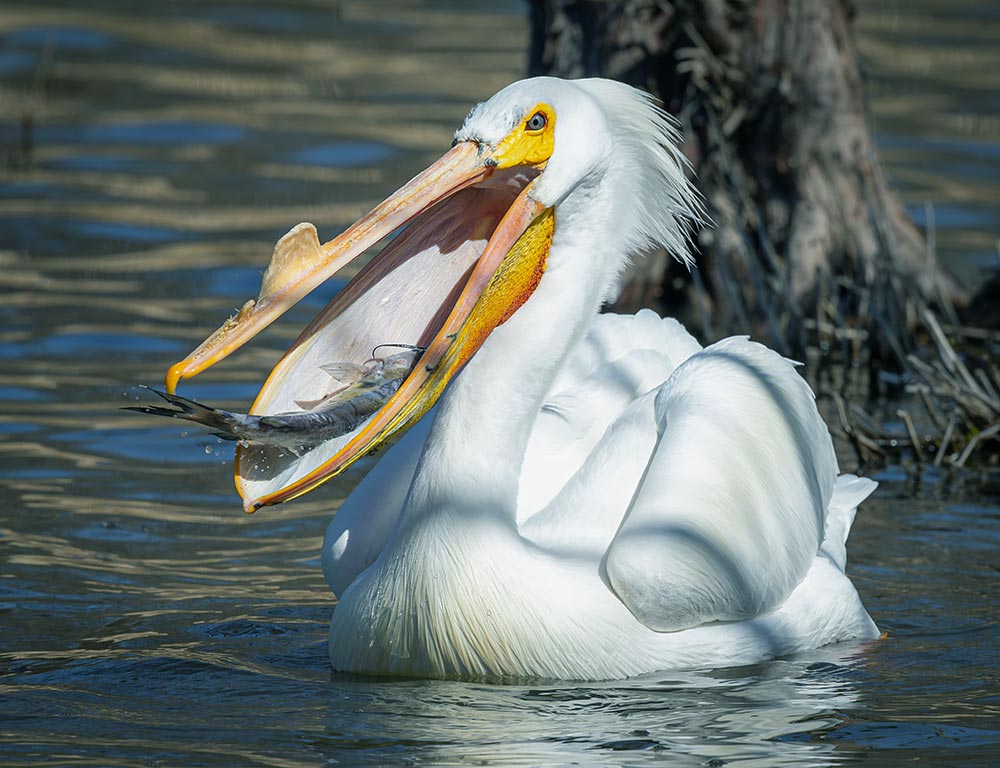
[475,450]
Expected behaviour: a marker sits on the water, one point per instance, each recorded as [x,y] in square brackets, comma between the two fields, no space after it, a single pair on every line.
[932,81]
[147,163]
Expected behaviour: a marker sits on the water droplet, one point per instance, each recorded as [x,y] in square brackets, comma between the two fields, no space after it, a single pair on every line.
[208,449]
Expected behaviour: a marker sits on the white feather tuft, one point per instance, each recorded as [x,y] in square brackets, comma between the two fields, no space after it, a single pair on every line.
[667,208]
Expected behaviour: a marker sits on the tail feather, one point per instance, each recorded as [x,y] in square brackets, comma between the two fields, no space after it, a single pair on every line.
[848,492]
[222,423]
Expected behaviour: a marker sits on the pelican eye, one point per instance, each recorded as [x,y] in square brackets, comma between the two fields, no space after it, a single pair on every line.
[536,122]
[531,141]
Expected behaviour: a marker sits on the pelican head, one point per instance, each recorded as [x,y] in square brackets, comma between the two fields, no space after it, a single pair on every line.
[593,135]
[541,159]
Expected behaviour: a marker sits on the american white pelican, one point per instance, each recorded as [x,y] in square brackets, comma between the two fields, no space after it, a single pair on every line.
[594,496]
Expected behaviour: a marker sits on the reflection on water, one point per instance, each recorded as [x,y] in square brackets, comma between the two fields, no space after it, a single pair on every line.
[148,161]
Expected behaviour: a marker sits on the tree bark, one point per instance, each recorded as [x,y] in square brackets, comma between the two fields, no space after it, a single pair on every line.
[768,92]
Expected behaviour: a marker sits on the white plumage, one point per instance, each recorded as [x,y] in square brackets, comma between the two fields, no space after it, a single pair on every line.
[596,496]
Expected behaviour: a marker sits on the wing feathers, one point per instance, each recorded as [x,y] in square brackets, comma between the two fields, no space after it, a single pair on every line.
[621,358]
[732,509]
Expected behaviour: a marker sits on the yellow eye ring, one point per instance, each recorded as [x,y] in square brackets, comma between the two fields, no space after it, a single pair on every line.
[530,142]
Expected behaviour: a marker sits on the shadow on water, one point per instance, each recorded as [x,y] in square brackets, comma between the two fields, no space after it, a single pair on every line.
[148,162]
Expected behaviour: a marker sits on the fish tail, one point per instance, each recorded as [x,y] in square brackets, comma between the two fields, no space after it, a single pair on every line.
[222,423]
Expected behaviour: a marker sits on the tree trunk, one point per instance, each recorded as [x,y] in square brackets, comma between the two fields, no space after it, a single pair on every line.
[807,234]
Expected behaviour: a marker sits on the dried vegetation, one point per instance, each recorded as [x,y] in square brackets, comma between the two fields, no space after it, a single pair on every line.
[811,250]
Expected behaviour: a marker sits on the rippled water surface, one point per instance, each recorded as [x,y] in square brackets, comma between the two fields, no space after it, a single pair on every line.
[150,155]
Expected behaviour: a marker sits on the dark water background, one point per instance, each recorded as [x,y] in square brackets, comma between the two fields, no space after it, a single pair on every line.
[150,155]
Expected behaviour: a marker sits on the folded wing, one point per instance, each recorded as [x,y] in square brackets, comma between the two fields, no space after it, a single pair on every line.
[732,507]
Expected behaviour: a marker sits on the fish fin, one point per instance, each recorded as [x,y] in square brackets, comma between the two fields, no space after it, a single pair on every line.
[308,405]
[334,395]
[345,372]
